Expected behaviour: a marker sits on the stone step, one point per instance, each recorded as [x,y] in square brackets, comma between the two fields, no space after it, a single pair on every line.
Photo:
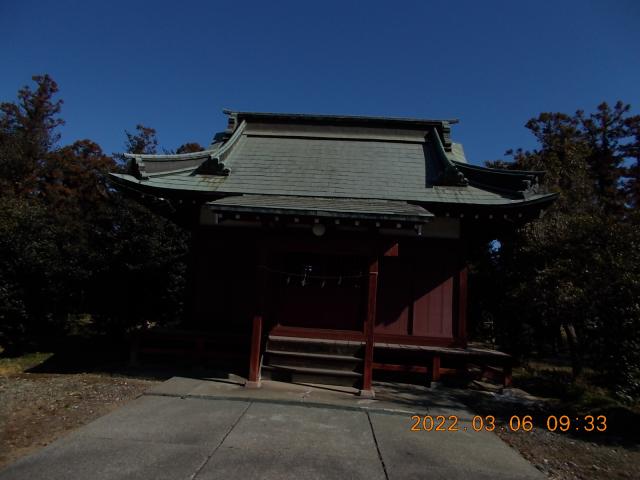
[313,345]
[322,376]
[313,360]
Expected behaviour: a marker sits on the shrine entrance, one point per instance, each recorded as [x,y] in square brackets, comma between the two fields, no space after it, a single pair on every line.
[319,291]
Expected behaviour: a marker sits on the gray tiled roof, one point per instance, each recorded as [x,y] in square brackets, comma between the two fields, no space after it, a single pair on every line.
[347,162]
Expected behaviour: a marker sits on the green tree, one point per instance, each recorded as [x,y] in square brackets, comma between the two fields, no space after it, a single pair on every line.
[632,174]
[70,242]
[74,177]
[576,270]
[143,141]
[27,133]
[190,147]
[606,132]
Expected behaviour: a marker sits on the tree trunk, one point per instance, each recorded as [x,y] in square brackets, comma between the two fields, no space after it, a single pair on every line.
[574,350]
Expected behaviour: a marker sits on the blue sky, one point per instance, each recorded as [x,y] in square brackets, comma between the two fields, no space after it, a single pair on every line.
[176,65]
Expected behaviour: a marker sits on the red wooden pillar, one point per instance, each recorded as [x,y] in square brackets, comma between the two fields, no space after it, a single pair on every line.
[254,362]
[256,333]
[435,368]
[507,374]
[462,306]
[369,325]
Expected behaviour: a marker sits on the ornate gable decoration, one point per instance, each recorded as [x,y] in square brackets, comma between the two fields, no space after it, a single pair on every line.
[517,183]
[450,175]
[212,166]
[136,168]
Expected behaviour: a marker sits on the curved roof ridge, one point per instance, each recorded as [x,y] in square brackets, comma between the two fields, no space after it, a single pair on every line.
[501,171]
[169,157]
[209,161]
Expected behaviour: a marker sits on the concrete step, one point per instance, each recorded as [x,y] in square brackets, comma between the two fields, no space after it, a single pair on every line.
[313,345]
[313,360]
[322,376]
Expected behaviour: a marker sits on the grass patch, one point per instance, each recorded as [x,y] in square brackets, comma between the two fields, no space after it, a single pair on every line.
[554,380]
[15,365]
[577,397]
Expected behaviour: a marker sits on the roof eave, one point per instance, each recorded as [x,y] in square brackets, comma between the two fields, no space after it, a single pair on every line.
[302,212]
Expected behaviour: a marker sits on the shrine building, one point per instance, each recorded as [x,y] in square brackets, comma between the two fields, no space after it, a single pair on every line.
[330,249]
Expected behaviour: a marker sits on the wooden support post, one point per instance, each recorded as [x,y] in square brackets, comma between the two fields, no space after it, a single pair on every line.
[435,368]
[462,306]
[367,390]
[507,375]
[256,330]
[190,293]
[392,251]
[254,362]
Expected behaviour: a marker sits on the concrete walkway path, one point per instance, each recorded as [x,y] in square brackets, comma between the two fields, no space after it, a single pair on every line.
[197,429]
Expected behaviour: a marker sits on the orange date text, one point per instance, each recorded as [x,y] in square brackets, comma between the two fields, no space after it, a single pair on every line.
[515,423]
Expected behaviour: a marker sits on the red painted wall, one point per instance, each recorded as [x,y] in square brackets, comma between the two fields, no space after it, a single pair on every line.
[416,294]
[225,277]
[417,290]
[330,302]
[433,298]
[395,296]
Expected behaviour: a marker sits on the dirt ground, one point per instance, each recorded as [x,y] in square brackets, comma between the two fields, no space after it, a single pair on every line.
[614,454]
[565,457]
[38,408]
